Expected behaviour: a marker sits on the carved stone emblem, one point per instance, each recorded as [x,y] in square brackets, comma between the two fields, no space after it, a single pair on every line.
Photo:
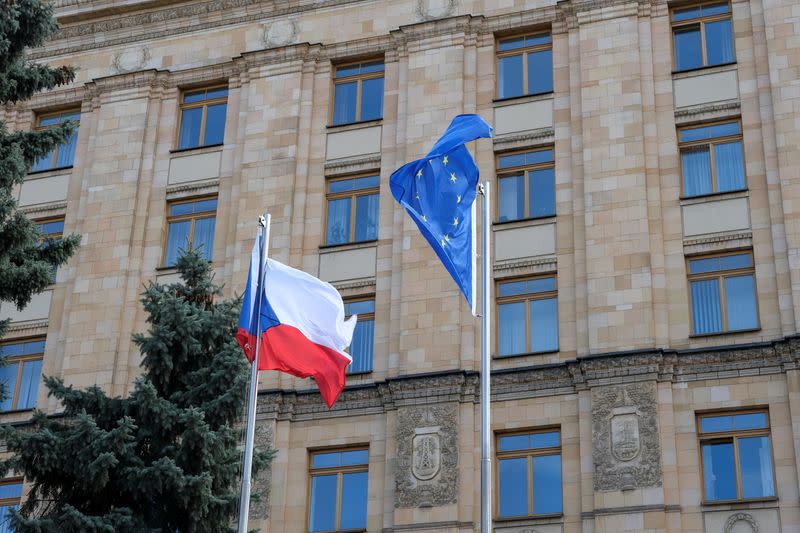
[741,519]
[426,453]
[625,442]
[130,60]
[280,33]
[435,9]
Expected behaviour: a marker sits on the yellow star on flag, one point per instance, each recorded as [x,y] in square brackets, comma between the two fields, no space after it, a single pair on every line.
[447,237]
[453,177]
[455,221]
[458,198]
[419,173]
[444,161]
[423,218]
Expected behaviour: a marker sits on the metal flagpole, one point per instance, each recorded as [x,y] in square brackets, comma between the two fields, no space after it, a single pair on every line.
[486,376]
[244,502]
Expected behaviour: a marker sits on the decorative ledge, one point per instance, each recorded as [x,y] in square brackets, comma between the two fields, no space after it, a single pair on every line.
[30,328]
[510,268]
[705,111]
[193,187]
[36,210]
[512,140]
[352,165]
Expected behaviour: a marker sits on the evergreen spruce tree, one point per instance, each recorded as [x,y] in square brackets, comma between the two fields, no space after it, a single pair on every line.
[163,459]
[25,265]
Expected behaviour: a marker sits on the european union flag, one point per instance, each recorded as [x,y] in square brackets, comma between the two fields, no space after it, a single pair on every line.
[438,191]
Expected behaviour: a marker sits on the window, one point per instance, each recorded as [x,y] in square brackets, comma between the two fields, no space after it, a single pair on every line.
[529,473]
[63,155]
[190,224]
[358,92]
[527,316]
[723,293]
[21,373]
[702,35]
[361,347]
[524,65]
[52,230]
[202,117]
[736,455]
[338,490]
[527,185]
[712,160]
[352,209]
[10,498]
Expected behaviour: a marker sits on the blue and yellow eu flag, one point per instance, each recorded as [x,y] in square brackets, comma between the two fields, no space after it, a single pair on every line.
[438,191]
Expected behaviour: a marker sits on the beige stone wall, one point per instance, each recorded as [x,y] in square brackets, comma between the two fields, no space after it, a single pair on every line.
[618,242]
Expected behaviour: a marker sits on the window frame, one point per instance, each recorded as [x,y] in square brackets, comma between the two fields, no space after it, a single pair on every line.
[8,502]
[168,219]
[721,275]
[204,104]
[732,436]
[512,171]
[352,195]
[364,316]
[339,470]
[711,142]
[525,50]
[359,78]
[38,127]
[50,236]
[700,22]
[21,359]
[527,297]
[528,453]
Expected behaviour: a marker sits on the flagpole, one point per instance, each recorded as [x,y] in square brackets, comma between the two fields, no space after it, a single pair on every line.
[486,376]
[244,502]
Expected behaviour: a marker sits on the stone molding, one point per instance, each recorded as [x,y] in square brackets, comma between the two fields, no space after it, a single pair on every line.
[569,377]
[687,115]
[741,517]
[42,210]
[528,138]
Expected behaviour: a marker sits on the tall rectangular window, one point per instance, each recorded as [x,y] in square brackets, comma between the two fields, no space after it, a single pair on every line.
[524,65]
[737,455]
[712,159]
[352,209]
[202,120]
[338,490]
[527,185]
[190,224]
[21,373]
[10,498]
[63,155]
[362,346]
[358,92]
[702,35]
[52,230]
[529,474]
[722,290]
[527,316]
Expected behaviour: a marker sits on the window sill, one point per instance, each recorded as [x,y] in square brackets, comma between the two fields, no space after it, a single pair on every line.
[199,149]
[530,221]
[360,373]
[541,519]
[172,269]
[738,193]
[699,71]
[348,246]
[17,411]
[354,125]
[738,503]
[721,333]
[510,100]
[525,354]
[49,171]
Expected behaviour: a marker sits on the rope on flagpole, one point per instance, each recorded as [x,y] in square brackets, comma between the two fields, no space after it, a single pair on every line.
[244,502]
[486,376]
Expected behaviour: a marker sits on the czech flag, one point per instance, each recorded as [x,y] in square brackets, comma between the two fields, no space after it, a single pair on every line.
[303,330]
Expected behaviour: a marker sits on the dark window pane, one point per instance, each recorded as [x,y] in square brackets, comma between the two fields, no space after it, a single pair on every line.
[43,163]
[372,99]
[204,236]
[204,206]
[547,484]
[723,130]
[366,217]
[513,490]
[710,424]
[29,384]
[325,460]
[696,170]
[66,152]
[540,72]
[544,440]
[706,312]
[368,182]
[33,347]
[510,76]
[348,70]
[512,160]
[184,208]
[544,325]
[688,49]
[708,264]
[362,347]
[512,44]
[341,185]
[542,190]
[220,92]
[10,350]
[50,228]
[215,124]
[8,377]
[194,96]
[719,42]
[535,40]
[538,156]
[511,321]
[729,164]
[513,288]
[513,442]
[191,120]
[718,470]
[10,490]
[740,302]
[541,285]
[355,457]
[376,66]
[177,240]
[322,515]
[695,134]
[51,120]
[72,115]
[755,459]
[354,501]
[750,421]
[359,307]
[685,14]
[716,9]
[338,225]
[344,102]
[511,202]
[5,518]
[731,262]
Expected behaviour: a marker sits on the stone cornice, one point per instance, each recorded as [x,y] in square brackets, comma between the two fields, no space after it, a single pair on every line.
[541,380]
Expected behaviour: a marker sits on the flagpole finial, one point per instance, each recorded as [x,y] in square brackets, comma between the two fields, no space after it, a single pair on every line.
[481,189]
[262,221]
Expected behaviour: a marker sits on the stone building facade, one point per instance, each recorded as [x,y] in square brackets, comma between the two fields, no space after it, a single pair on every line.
[644,367]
